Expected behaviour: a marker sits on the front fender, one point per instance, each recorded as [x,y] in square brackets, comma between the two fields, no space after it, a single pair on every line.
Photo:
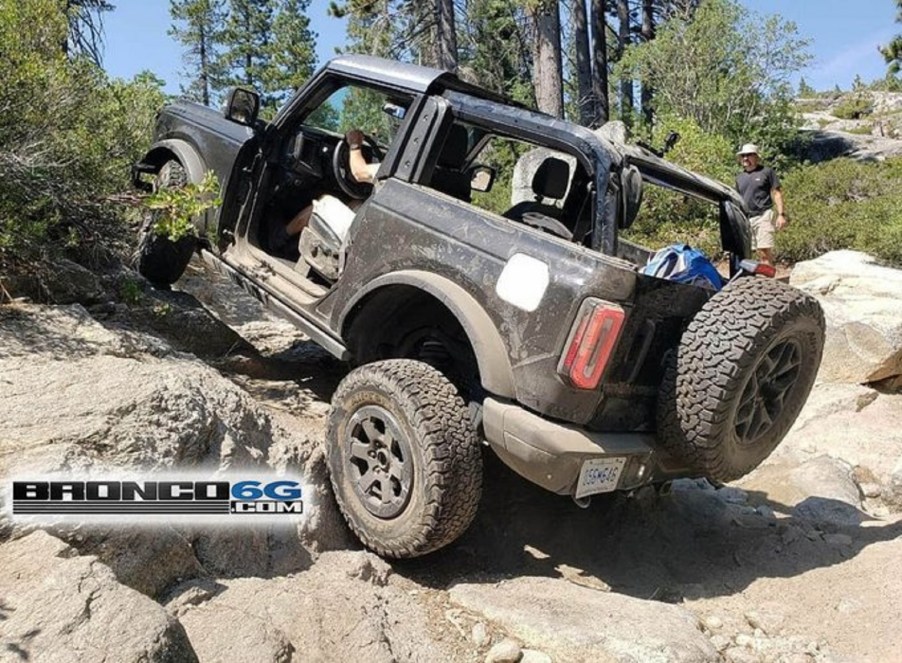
[491,354]
[174,148]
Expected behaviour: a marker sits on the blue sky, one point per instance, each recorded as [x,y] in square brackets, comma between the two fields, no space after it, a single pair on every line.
[844,38]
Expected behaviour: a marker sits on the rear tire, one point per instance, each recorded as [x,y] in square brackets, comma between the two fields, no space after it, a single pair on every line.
[157,258]
[742,372]
[404,459]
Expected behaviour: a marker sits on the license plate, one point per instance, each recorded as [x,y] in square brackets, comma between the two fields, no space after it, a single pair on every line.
[599,475]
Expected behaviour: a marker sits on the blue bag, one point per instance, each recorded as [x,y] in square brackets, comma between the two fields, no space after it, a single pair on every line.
[683,264]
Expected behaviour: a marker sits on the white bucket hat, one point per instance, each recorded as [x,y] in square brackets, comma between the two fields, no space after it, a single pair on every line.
[748,148]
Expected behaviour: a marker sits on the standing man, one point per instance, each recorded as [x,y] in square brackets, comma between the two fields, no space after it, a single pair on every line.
[759,187]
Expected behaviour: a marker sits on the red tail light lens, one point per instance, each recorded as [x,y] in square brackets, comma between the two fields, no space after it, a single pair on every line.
[591,343]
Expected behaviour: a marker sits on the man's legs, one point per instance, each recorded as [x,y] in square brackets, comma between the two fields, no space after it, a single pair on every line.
[300,221]
[763,236]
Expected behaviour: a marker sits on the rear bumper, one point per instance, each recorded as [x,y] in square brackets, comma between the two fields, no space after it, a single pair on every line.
[551,454]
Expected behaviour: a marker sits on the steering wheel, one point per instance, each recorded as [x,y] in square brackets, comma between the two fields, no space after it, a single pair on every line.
[341,168]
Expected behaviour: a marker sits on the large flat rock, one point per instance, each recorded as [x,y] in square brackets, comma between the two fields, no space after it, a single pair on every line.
[90,399]
[341,609]
[59,607]
[861,301]
[575,623]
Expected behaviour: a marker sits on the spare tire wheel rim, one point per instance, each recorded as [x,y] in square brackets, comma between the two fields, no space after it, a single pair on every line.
[379,461]
[765,394]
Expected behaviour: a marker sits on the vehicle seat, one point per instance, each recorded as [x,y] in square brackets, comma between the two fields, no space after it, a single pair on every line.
[447,176]
[550,181]
[322,239]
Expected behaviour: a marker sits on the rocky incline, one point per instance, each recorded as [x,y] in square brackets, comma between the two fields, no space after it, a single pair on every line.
[874,134]
[795,563]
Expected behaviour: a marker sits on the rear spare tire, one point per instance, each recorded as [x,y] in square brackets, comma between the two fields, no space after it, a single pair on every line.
[742,372]
[158,259]
[404,459]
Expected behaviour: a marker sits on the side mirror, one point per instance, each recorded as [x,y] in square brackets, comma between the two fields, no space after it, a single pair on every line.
[482,178]
[631,191]
[394,110]
[672,139]
[242,106]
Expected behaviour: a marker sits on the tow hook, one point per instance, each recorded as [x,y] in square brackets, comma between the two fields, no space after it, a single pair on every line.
[664,488]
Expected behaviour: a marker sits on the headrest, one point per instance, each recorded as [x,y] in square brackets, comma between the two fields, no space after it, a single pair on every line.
[456,147]
[551,179]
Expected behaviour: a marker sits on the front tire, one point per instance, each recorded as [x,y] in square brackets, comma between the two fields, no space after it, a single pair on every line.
[404,459]
[740,376]
[157,258]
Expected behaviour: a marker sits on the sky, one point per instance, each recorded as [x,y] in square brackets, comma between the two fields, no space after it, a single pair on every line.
[844,40]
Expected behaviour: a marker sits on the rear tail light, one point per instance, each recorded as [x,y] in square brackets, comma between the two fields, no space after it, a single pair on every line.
[755,267]
[591,343]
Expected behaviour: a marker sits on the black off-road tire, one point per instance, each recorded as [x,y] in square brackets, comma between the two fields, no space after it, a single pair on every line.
[742,372]
[441,457]
[158,259]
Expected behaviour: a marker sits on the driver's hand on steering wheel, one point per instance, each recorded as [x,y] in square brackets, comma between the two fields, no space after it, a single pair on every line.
[354,139]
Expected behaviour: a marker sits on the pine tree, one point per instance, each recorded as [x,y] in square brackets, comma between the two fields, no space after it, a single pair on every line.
[600,62]
[293,50]
[579,24]
[547,61]
[372,26]
[496,48]
[198,27]
[246,57]
[805,90]
[648,33]
[85,35]
[892,52]
[446,35]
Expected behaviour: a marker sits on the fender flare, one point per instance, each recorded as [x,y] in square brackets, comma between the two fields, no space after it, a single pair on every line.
[164,150]
[491,354]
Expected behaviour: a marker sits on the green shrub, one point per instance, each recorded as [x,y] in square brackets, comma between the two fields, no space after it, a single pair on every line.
[810,105]
[853,107]
[68,136]
[865,129]
[843,204]
[178,207]
[670,218]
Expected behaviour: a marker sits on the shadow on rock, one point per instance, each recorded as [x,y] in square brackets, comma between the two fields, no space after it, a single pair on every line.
[696,542]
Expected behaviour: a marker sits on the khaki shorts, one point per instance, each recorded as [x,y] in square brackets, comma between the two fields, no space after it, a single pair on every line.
[763,230]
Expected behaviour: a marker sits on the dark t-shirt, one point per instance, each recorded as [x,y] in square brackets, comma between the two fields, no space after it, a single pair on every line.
[755,188]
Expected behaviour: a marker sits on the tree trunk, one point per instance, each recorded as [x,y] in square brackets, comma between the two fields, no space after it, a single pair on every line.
[584,101]
[648,33]
[623,35]
[446,39]
[600,63]
[204,69]
[547,72]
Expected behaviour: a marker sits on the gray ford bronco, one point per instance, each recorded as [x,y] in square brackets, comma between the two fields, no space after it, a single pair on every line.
[482,301]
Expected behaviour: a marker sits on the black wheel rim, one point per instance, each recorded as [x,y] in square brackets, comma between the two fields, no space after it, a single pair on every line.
[379,460]
[765,395]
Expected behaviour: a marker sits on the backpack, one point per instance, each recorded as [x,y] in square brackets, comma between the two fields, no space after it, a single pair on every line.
[683,264]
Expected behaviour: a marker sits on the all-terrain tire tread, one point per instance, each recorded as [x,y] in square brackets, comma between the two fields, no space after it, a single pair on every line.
[153,261]
[706,374]
[447,443]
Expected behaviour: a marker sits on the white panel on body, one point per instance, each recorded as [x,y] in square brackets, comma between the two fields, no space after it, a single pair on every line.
[523,282]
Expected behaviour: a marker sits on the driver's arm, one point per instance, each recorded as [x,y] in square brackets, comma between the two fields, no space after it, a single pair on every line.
[361,171]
